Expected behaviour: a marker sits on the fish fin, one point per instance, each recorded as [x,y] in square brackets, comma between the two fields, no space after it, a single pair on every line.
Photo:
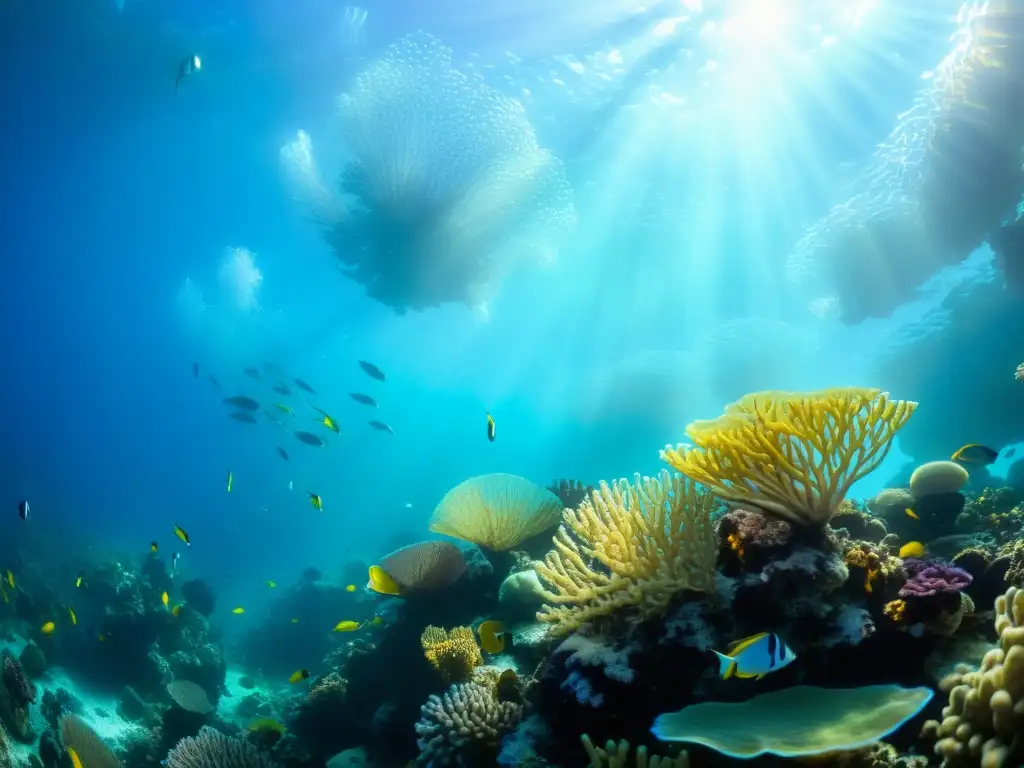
[758,677]
[748,675]
[741,645]
[726,665]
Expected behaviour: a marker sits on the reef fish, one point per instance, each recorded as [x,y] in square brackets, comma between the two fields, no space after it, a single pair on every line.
[281,389]
[48,628]
[309,438]
[492,636]
[912,549]
[189,66]
[23,509]
[282,453]
[298,675]
[330,423]
[346,626]
[316,501]
[973,453]
[238,611]
[252,373]
[230,480]
[359,397]
[174,562]
[303,385]
[371,370]
[380,426]
[243,402]
[754,656]
[246,418]
[490,428]
[182,534]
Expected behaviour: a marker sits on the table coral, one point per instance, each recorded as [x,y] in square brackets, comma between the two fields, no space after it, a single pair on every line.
[630,545]
[792,454]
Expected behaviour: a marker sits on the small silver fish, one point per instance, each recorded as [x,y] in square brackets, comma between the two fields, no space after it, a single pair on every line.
[174,562]
[189,66]
[380,426]
[359,397]
[23,509]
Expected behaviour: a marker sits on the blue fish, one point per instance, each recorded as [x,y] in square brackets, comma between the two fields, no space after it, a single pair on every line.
[754,656]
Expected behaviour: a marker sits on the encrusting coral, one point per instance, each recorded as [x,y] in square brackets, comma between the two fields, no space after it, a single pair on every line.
[453,654]
[794,455]
[630,545]
[981,724]
[464,726]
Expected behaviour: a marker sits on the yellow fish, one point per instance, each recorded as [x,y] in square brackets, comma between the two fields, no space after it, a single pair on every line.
[492,636]
[231,480]
[153,546]
[176,610]
[76,761]
[912,549]
[377,621]
[298,676]
[182,534]
[267,725]
[381,583]
[350,588]
[490,428]
[10,578]
[295,621]
[71,615]
[284,409]
[316,501]
[911,514]
[79,580]
[48,628]
[346,626]
[3,592]
[238,611]
[271,584]
[331,424]
[165,598]
[973,453]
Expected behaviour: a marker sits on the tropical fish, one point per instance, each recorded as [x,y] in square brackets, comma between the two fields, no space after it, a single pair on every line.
[153,547]
[912,549]
[346,626]
[282,453]
[231,477]
[298,675]
[331,424]
[182,534]
[295,621]
[214,381]
[359,397]
[266,725]
[377,621]
[71,615]
[281,389]
[23,510]
[76,761]
[974,453]
[309,439]
[246,418]
[371,370]
[316,501]
[381,583]
[238,611]
[911,514]
[79,580]
[492,636]
[190,65]
[350,588]
[195,369]
[10,578]
[253,373]
[271,584]
[284,409]
[490,428]
[165,599]
[754,656]
[48,628]
[176,610]
[303,385]
[174,562]
[243,402]
[380,426]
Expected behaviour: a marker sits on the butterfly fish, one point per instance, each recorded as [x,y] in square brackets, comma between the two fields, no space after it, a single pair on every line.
[754,656]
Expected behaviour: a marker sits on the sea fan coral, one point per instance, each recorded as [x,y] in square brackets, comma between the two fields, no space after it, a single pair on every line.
[463,727]
[792,454]
[212,749]
[496,511]
[453,654]
[86,743]
[448,188]
[632,545]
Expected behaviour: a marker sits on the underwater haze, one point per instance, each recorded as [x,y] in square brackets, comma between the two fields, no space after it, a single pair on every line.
[280,275]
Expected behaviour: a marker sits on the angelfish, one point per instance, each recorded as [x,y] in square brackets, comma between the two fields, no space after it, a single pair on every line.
[189,66]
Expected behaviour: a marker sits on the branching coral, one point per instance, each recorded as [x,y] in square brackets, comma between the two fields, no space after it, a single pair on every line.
[453,654]
[792,454]
[212,749]
[464,726]
[616,755]
[981,724]
[328,690]
[630,545]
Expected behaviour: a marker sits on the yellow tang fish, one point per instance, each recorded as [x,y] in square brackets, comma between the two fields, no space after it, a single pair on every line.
[165,598]
[298,676]
[346,626]
[331,424]
[238,611]
[911,514]
[182,534]
[71,615]
[79,580]
[10,578]
[48,628]
[350,588]
[271,584]
[231,480]
[316,501]
[492,636]
[912,549]
[490,428]
[76,761]
[381,583]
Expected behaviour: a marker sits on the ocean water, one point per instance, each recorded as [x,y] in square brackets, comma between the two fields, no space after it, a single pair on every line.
[145,231]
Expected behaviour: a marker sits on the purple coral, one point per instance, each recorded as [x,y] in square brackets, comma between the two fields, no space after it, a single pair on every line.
[17,684]
[929,577]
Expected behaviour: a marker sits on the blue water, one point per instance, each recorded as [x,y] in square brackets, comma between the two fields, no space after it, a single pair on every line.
[116,191]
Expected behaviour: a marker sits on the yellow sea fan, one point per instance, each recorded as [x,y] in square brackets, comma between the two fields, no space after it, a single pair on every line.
[453,654]
[630,545]
[792,454]
[496,511]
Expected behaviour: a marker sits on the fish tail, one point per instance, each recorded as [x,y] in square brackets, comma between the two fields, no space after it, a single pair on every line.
[726,665]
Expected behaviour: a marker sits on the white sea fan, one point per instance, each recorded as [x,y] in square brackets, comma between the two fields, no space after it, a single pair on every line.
[241,278]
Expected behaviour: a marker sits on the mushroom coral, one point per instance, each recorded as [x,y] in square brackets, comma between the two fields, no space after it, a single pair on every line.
[792,454]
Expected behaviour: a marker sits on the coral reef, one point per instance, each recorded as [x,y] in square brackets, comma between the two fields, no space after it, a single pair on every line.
[212,749]
[464,726]
[453,654]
